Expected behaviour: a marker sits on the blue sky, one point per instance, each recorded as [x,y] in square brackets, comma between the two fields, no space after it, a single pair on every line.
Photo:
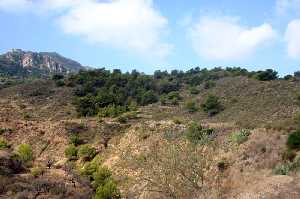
[158,34]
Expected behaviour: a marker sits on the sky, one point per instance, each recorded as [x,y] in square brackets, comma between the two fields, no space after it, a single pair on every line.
[150,35]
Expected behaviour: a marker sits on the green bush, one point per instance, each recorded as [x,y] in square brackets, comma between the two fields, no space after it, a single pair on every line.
[36,171]
[86,152]
[298,95]
[24,151]
[191,106]
[91,167]
[71,152]
[285,169]
[3,144]
[75,140]
[293,141]
[111,111]
[209,84]
[196,134]
[101,176]
[59,83]
[212,105]
[148,97]
[122,119]
[281,169]
[108,191]
[266,75]
[240,137]
[193,90]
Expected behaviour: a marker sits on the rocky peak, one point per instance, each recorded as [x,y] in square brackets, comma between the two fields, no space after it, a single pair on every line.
[49,62]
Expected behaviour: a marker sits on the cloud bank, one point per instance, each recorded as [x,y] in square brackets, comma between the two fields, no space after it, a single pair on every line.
[292,37]
[225,39]
[130,25]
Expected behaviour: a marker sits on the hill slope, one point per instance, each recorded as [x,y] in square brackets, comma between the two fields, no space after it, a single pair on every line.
[24,63]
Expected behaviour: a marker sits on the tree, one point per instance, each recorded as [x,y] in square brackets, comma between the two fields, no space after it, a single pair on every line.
[267,75]
[212,105]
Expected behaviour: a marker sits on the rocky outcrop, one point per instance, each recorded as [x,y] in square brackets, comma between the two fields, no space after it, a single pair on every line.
[45,62]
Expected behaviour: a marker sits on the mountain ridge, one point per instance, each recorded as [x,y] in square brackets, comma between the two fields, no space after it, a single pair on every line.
[18,62]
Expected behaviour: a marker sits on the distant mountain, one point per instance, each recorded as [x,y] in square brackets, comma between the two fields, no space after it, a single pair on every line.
[25,63]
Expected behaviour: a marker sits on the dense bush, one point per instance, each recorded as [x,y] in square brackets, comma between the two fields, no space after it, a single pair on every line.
[191,106]
[293,141]
[101,176]
[209,84]
[71,152]
[91,167]
[212,105]
[86,152]
[3,144]
[193,90]
[266,75]
[108,191]
[25,153]
[111,111]
[240,136]
[196,134]
[75,140]
[286,168]
[36,171]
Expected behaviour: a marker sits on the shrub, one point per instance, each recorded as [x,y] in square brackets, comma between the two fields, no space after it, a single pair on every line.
[108,191]
[212,105]
[91,167]
[36,171]
[24,151]
[3,144]
[240,137]
[209,84]
[101,176]
[57,77]
[281,170]
[298,95]
[284,169]
[191,106]
[297,74]
[177,121]
[196,134]
[266,75]
[59,83]
[148,97]
[193,90]
[71,152]
[111,111]
[122,119]
[288,155]
[86,152]
[75,140]
[293,141]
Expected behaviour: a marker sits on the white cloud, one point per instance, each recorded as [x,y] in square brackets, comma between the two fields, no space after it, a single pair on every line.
[224,39]
[15,5]
[285,6]
[127,24]
[293,39]
[130,25]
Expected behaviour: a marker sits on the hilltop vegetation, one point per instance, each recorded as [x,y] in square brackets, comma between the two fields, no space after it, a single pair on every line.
[220,133]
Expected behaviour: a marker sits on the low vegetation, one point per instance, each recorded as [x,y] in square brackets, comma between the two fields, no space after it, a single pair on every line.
[212,105]
[24,152]
[196,134]
[240,136]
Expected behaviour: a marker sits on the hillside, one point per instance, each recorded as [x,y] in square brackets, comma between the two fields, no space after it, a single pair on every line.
[141,128]
[26,63]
